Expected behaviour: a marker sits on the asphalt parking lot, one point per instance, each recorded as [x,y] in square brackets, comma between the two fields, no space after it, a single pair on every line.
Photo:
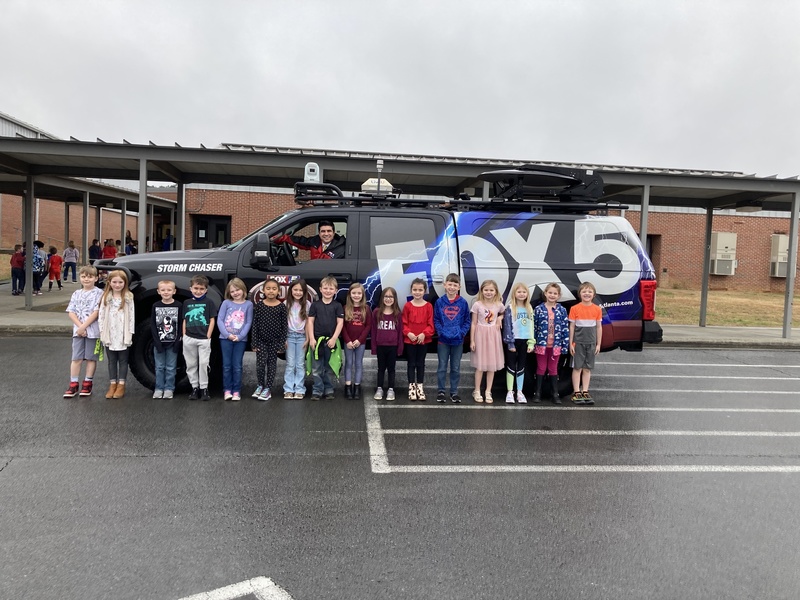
[680,482]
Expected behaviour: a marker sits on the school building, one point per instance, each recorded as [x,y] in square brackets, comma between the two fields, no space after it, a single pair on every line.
[749,237]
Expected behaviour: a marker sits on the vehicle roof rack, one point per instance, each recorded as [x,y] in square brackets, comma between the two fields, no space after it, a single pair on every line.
[545,181]
[530,188]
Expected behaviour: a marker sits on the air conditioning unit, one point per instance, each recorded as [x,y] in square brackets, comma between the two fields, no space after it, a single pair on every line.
[779,255]
[723,253]
[778,268]
[723,266]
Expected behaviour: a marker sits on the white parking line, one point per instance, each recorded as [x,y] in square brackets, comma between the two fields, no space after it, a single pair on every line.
[596,469]
[692,391]
[593,432]
[700,375]
[703,365]
[584,408]
[377,444]
[262,588]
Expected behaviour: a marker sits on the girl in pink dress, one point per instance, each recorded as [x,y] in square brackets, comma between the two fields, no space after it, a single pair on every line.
[486,341]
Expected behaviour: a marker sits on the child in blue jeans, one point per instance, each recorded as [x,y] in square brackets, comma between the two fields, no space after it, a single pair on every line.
[452,321]
[297,306]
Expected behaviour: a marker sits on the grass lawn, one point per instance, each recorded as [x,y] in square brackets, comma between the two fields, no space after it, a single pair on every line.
[727,309]
[682,307]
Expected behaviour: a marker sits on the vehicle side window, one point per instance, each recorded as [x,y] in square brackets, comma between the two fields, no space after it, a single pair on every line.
[386,230]
[309,229]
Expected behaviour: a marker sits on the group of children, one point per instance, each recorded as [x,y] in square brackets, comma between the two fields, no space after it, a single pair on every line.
[317,334]
[44,265]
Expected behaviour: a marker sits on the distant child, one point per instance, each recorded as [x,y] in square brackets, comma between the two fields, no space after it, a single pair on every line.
[165,328]
[485,338]
[552,339]
[519,340]
[417,332]
[54,262]
[199,316]
[324,325]
[17,271]
[83,310]
[270,325]
[297,305]
[585,334]
[117,322]
[387,340]
[357,326]
[234,321]
[39,265]
[452,321]
[71,256]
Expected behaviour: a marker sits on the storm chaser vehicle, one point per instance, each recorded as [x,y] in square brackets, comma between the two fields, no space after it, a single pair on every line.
[541,224]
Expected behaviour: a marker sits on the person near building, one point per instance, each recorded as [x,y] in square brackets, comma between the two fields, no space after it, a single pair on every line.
[109,250]
[54,262]
[95,251]
[17,271]
[326,244]
[71,256]
[39,265]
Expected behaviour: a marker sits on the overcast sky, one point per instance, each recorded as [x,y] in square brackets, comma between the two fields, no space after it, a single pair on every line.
[699,84]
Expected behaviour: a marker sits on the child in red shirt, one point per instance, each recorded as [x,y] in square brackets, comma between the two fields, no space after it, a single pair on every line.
[54,263]
[417,332]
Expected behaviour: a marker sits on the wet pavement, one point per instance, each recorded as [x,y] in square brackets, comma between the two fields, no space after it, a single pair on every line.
[681,481]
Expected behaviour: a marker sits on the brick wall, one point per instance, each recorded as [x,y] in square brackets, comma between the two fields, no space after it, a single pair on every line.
[676,238]
[51,223]
[678,246]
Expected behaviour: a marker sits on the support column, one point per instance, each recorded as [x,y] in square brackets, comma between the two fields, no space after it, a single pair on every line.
[86,242]
[791,269]
[123,223]
[141,225]
[66,225]
[28,201]
[643,214]
[706,267]
[180,220]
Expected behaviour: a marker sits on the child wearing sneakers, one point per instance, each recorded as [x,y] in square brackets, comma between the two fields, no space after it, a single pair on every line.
[417,332]
[518,339]
[452,321]
[83,310]
[585,334]
[387,340]
[165,328]
[270,326]
[199,318]
[234,321]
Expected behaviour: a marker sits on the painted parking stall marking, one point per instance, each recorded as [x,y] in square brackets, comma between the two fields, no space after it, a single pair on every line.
[653,399]
[260,588]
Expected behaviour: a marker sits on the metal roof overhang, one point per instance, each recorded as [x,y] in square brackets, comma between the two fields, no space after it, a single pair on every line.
[414,174]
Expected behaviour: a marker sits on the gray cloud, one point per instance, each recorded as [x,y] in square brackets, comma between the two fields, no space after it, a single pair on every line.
[709,85]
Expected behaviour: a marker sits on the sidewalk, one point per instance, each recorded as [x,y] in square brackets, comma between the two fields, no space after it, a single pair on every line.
[48,317]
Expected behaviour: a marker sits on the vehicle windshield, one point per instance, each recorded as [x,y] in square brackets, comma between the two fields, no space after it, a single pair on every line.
[249,236]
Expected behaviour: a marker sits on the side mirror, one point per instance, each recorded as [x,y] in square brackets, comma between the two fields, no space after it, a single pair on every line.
[261,254]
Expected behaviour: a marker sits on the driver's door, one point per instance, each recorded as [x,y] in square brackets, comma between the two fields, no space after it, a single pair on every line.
[345,270]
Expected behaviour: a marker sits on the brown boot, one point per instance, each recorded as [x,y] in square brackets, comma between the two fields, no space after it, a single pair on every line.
[112,389]
[120,391]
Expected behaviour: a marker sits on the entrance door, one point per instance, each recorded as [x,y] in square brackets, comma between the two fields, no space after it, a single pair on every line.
[211,231]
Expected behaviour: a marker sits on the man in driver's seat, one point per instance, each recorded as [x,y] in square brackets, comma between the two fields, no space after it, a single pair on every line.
[327,244]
